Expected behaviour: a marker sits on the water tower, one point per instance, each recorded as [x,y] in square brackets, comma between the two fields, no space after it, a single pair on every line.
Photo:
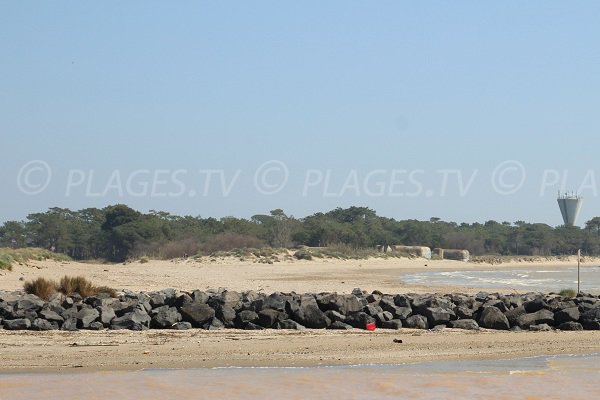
[570,205]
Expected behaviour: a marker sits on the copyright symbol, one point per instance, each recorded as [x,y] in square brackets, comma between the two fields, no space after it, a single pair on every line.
[508,177]
[34,177]
[271,177]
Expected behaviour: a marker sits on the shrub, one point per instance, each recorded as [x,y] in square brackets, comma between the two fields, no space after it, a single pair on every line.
[303,255]
[78,284]
[41,287]
[570,293]
[6,261]
[144,260]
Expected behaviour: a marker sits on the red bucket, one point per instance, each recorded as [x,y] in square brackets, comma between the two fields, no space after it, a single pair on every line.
[370,326]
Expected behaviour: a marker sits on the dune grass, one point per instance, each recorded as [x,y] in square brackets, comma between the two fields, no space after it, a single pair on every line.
[68,285]
[8,256]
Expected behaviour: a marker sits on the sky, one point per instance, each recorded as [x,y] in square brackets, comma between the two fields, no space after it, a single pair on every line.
[466,111]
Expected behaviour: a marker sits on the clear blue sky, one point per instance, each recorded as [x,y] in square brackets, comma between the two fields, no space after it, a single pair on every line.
[359,89]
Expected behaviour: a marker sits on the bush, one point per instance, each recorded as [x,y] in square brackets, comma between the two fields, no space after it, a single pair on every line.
[570,293]
[6,261]
[144,260]
[78,284]
[41,287]
[303,255]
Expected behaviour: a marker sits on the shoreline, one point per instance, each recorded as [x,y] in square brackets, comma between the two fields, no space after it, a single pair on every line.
[126,351]
[28,351]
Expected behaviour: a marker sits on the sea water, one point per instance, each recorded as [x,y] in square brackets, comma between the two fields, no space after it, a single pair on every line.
[547,377]
[540,279]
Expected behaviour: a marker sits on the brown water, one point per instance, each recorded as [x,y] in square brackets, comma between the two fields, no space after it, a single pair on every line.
[563,377]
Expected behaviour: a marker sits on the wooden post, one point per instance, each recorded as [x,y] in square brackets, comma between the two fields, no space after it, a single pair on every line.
[578,264]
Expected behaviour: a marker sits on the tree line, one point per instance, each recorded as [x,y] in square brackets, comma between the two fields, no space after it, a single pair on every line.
[118,232]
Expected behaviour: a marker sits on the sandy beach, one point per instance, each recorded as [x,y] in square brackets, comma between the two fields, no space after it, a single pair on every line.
[115,350]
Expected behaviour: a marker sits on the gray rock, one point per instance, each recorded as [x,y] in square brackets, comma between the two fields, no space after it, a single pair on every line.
[86,316]
[439,316]
[51,316]
[96,326]
[514,314]
[372,310]
[157,300]
[107,314]
[40,324]
[70,324]
[244,317]
[392,324]
[567,315]
[401,301]
[311,316]
[268,318]
[200,296]
[463,312]
[570,326]
[214,325]
[383,317]
[29,302]
[253,327]
[181,326]
[197,312]
[164,317]
[339,325]
[540,317]
[16,324]
[492,318]
[137,320]
[359,320]
[416,322]
[540,328]
[290,324]
[535,305]
[468,324]
[226,314]
[335,316]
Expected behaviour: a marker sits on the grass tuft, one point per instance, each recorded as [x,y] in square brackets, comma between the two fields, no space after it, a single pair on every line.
[41,287]
[569,293]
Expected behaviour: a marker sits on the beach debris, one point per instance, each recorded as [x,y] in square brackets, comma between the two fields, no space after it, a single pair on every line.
[397,340]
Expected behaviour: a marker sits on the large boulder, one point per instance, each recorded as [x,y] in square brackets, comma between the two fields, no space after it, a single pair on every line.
[467,324]
[359,320]
[197,312]
[290,324]
[86,316]
[137,320]
[29,302]
[416,322]
[492,318]
[164,317]
[567,315]
[570,326]
[245,317]
[51,316]
[107,314]
[16,324]
[70,324]
[226,314]
[269,318]
[310,315]
[514,314]
[40,324]
[535,305]
[439,316]
[537,318]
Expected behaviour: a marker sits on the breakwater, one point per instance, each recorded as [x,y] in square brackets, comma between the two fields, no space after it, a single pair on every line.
[221,309]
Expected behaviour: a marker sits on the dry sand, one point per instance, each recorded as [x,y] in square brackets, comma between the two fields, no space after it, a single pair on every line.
[43,351]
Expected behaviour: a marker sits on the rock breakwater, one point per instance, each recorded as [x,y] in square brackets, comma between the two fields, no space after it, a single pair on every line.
[222,309]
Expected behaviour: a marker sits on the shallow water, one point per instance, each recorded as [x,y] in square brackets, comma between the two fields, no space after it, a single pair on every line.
[528,378]
[544,280]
